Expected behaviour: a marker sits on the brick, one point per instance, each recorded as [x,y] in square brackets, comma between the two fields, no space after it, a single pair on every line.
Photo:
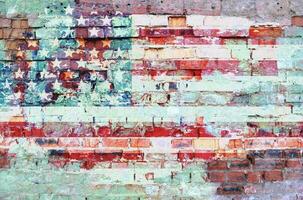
[140,143]
[293,163]
[175,21]
[268,164]
[90,142]
[133,155]
[216,176]
[293,153]
[150,20]
[20,23]
[297,20]
[109,142]
[223,22]
[230,189]
[81,33]
[254,177]
[5,23]
[294,174]
[239,164]
[265,31]
[289,142]
[217,165]
[235,177]
[211,144]
[274,153]
[275,175]
[181,143]
[13,33]
[235,144]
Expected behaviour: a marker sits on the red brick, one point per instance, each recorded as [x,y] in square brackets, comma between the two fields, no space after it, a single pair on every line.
[269,164]
[217,165]
[5,23]
[289,142]
[239,164]
[235,143]
[274,175]
[216,176]
[139,142]
[297,21]
[133,155]
[81,33]
[186,155]
[236,176]
[265,31]
[254,177]
[19,23]
[293,163]
[110,142]
[266,68]
[4,162]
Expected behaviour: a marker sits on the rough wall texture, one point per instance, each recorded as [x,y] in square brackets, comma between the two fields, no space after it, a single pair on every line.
[151,99]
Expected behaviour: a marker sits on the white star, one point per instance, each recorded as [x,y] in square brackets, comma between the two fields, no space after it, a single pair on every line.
[56,63]
[43,53]
[93,32]
[69,53]
[81,63]
[57,85]
[119,53]
[81,21]
[44,73]
[55,42]
[7,84]
[94,53]
[19,73]
[106,21]
[31,85]
[44,96]
[69,10]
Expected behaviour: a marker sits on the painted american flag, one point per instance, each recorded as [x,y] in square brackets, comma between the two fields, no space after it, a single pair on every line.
[140,106]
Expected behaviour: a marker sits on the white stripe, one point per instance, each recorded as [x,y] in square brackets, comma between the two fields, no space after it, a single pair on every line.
[155,114]
[219,83]
[274,52]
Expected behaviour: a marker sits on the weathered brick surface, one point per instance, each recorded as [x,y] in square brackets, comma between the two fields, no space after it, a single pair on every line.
[151,99]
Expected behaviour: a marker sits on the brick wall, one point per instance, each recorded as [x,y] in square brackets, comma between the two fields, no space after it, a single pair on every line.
[151,99]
